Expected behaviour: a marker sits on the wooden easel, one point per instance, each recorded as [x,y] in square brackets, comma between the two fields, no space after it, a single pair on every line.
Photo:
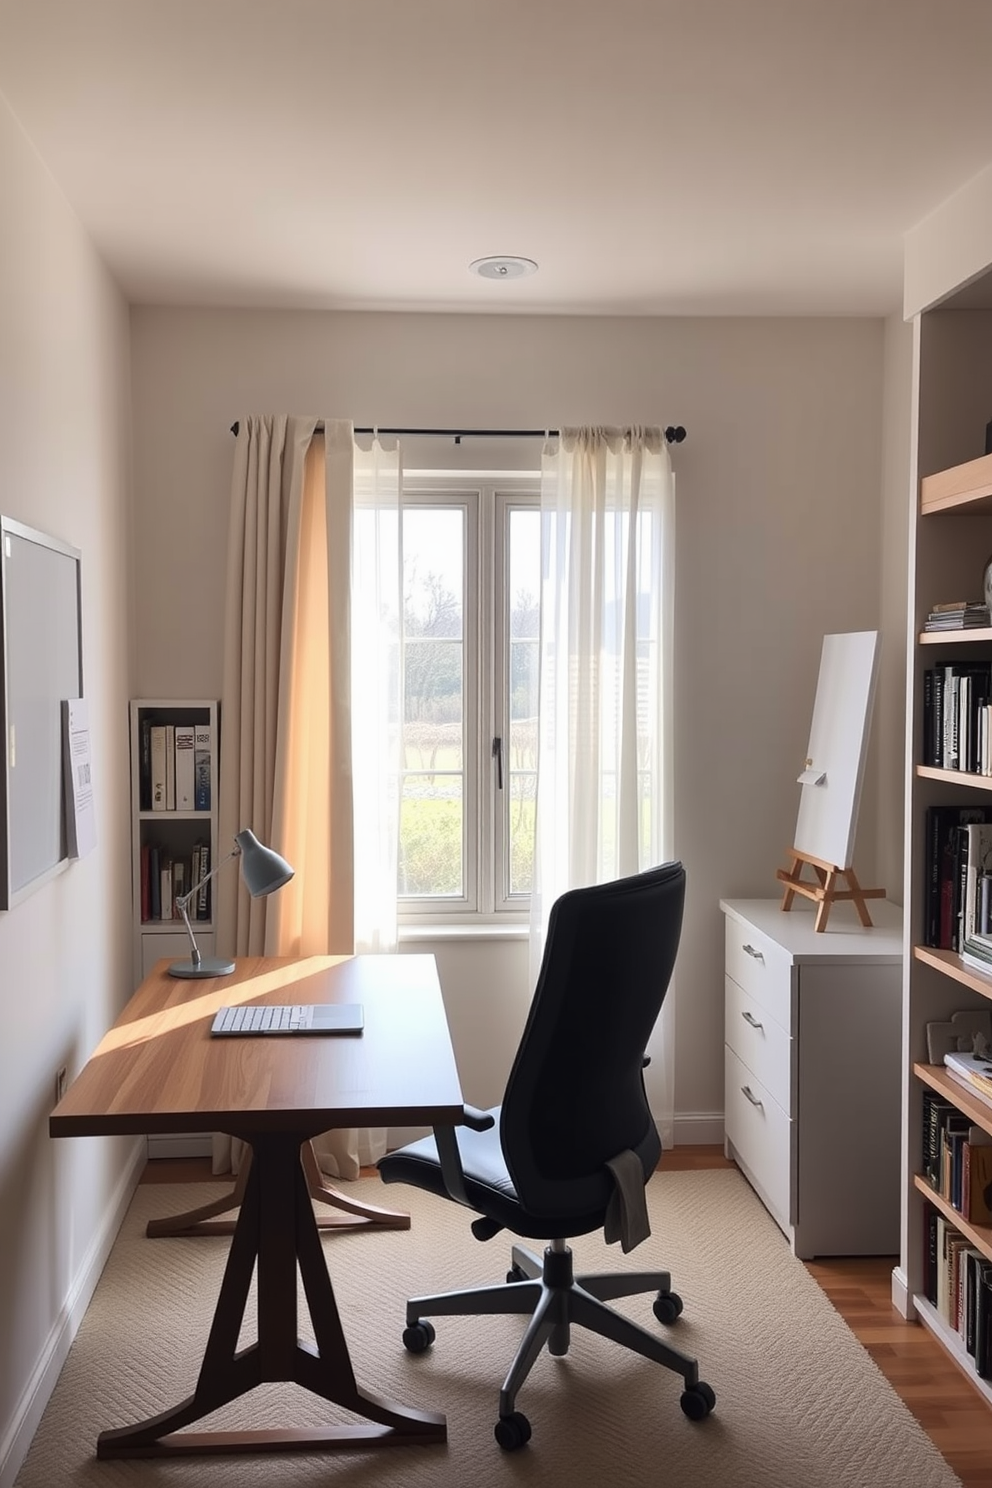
[824,891]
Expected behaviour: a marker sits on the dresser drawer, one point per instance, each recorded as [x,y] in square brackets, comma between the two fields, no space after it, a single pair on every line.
[761,968]
[760,1042]
[761,1133]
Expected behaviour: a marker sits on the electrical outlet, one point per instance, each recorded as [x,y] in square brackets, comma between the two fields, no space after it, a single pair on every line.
[61,1081]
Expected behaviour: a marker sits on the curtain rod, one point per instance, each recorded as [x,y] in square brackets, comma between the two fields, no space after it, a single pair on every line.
[674,434]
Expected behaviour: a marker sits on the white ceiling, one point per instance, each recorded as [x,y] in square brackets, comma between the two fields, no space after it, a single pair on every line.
[656,157]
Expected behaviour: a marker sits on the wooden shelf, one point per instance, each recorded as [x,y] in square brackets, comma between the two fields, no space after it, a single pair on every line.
[955,637]
[963,488]
[979,1235]
[945,1335]
[955,777]
[978,1111]
[950,964]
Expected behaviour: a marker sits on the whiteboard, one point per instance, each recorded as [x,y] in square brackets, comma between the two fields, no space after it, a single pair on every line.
[41,661]
[838,747]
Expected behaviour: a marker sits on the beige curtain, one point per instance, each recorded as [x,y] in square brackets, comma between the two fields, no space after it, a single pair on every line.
[286,741]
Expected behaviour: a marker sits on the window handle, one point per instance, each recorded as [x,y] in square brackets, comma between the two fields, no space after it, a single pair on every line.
[498,757]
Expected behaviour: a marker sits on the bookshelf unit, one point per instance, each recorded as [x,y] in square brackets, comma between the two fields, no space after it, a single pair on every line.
[172,832]
[950,544]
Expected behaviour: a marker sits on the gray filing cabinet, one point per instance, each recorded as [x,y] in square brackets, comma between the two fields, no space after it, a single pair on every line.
[812,1060]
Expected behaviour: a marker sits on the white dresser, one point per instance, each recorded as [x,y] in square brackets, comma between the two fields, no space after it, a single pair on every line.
[812,1055]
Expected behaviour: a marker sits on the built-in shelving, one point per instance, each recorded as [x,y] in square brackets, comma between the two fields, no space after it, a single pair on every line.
[175,833]
[950,544]
[963,488]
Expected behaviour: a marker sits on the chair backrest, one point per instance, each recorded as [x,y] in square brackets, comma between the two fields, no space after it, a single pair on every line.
[575,1097]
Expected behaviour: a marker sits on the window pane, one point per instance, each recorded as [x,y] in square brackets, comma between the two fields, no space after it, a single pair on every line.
[522,794]
[523,612]
[432,816]
[431,834]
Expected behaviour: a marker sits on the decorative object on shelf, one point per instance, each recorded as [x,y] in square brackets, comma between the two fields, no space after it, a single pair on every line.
[957,1032]
[988,437]
[831,779]
[263,871]
[987,584]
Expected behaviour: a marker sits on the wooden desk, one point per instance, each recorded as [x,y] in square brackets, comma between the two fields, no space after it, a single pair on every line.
[159,1070]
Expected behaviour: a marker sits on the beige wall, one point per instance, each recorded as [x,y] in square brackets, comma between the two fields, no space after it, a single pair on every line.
[778,542]
[63,951]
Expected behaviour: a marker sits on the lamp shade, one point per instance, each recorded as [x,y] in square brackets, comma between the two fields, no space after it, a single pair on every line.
[262,869]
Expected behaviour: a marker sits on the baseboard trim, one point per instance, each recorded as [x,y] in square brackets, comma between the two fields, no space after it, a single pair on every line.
[697,1128]
[901,1299]
[17,1438]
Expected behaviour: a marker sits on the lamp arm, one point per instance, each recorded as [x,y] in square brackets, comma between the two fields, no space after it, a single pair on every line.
[184,901]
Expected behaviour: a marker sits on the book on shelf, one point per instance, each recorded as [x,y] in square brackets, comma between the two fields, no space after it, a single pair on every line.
[203,896]
[959,615]
[165,888]
[184,766]
[170,767]
[942,891]
[145,765]
[203,767]
[158,769]
[976,1177]
[956,705]
[975,1068]
[977,849]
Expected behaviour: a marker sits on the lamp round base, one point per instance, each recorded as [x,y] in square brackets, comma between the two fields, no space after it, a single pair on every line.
[210,966]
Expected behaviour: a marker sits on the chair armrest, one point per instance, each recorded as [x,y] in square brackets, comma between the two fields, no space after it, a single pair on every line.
[447,1151]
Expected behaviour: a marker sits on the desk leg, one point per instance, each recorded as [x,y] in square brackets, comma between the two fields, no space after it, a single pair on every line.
[354,1215]
[277,1230]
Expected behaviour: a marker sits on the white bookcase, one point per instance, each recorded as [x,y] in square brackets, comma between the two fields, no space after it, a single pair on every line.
[950,542]
[168,833]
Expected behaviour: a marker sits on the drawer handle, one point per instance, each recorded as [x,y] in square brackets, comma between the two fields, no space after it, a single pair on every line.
[750,1018]
[749,950]
[751,1097]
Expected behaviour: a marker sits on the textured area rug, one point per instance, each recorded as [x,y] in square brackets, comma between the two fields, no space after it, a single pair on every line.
[799,1402]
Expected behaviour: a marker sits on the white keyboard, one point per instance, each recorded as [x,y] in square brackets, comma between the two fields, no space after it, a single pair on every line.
[320,1017]
[288,1018]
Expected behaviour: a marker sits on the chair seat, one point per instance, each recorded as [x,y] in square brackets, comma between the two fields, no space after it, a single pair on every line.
[488,1184]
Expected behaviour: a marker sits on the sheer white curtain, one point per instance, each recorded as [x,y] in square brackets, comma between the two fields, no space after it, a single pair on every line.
[376,679]
[604,780]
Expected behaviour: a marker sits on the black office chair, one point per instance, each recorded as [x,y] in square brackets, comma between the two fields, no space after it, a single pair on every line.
[573,1145]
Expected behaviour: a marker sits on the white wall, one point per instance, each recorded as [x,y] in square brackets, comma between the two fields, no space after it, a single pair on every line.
[778,542]
[64,970]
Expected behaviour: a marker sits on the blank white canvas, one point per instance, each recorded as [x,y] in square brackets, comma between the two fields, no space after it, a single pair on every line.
[838,746]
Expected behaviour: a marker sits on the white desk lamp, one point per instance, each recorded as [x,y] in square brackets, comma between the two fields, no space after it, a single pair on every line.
[263,871]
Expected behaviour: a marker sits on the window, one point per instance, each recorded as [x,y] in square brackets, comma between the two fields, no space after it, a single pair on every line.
[471,587]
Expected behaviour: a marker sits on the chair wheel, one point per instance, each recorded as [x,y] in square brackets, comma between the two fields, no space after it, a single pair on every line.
[512,1432]
[698,1401]
[667,1306]
[516,1273]
[418,1337]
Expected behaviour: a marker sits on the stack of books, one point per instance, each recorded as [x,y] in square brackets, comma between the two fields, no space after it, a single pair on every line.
[958,615]
[973,1071]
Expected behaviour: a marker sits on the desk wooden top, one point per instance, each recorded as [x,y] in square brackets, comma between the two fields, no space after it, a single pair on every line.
[159,1070]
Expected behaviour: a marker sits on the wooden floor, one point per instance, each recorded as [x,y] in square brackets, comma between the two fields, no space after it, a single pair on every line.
[949,1409]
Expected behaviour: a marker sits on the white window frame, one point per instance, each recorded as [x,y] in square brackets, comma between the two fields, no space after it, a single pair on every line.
[487,498]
